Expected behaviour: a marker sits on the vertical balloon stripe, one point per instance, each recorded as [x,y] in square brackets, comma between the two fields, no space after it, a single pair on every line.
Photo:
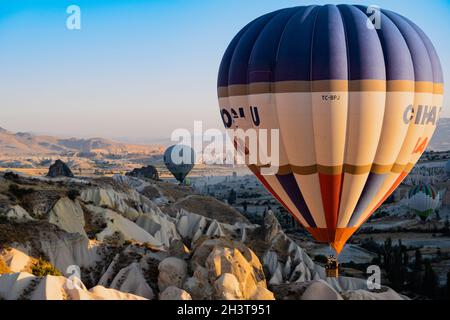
[265,49]
[294,113]
[278,192]
[238,70]
[364,125]
[365,55]
[330,108]
[342,236]
[386,184]
[268,110]
[365,109]
[329,52]
[352,189]
[398,62]
[293,57]
[423,70]
[290,186]
[295,117]
[310,188]
[224,69]
[391,190]
[289,205]
[373,185]
[434,59]
[398,109]
[330,186]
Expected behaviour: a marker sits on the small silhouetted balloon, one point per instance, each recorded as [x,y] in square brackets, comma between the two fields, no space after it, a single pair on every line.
[179,160]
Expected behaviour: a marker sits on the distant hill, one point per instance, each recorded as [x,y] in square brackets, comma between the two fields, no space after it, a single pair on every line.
[441,137]
[23,143]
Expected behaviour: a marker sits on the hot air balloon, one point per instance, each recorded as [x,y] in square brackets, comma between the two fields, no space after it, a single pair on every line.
[179,160]
[447,168]
[355,106]
[423,200]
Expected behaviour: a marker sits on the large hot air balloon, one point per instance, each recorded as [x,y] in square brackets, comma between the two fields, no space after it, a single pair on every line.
[355,105]
[179,160]
[423,200]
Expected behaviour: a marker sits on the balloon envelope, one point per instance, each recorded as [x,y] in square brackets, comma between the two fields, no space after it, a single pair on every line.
[423,200]
[179,160]
[355,105]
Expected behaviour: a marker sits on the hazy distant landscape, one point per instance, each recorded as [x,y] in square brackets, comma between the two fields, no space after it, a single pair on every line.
[33,154]
[441,138]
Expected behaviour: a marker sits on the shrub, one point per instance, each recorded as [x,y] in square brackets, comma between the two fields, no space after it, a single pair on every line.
[11,176]
[320,258]
[3,267]
[42,268]
[18,191]
[72,194]
[3,219]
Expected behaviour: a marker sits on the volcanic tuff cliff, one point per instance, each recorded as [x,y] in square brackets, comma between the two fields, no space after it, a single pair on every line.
[130,238]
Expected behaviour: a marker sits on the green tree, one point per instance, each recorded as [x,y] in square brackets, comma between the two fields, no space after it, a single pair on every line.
[448,285]
[232,196]
[42,268]
[418,262]
[245,205]
[430,281]
[447,227]
[405,258]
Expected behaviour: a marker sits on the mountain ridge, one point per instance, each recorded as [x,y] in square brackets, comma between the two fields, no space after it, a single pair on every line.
[25,143]
[29,144]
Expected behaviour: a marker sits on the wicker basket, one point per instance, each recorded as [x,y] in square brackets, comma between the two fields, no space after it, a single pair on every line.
[332,273]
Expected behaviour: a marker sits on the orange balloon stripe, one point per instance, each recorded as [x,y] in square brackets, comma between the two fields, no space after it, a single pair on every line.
[339,240]
[330,188]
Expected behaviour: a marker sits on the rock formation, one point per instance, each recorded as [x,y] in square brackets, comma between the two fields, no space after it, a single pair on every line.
[26,286]
[59,169]
[128,246]
[148,172]
[174,293]
[172,273]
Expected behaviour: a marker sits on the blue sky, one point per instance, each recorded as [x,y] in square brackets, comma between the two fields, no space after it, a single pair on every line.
[138,69]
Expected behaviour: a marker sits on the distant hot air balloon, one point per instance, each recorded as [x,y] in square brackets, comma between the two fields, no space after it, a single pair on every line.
[355,107]
[447,168]
[423,200]
[179,160]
